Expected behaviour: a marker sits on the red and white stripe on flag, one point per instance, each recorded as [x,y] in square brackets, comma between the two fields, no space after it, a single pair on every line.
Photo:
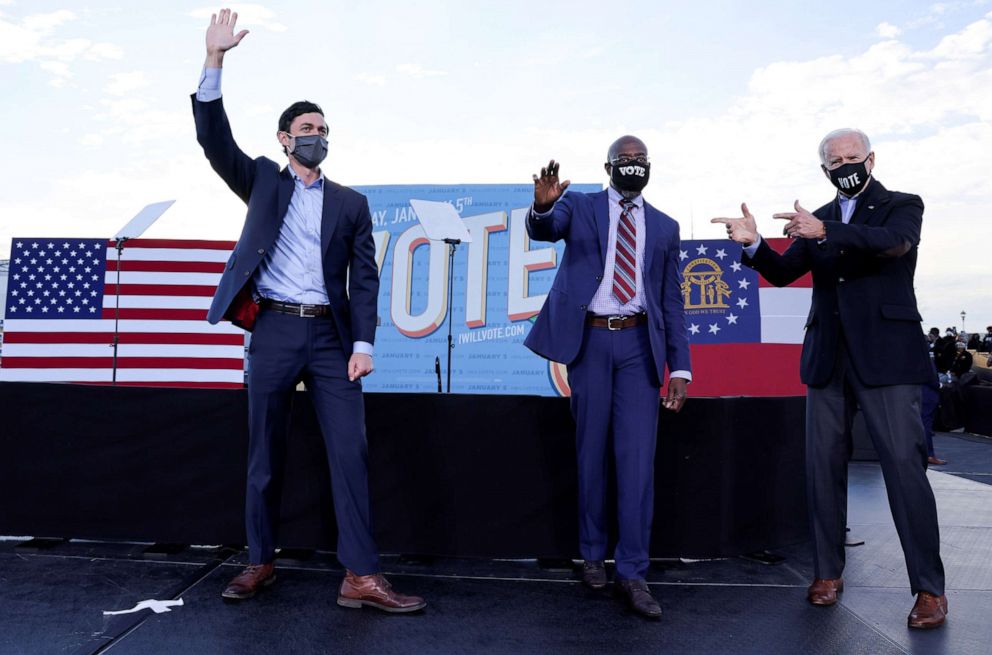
[166,287]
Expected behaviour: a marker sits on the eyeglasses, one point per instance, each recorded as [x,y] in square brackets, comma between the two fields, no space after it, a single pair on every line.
[627,161]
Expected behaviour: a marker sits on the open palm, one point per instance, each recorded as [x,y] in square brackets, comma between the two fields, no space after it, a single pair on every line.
[220,34]
[547,188]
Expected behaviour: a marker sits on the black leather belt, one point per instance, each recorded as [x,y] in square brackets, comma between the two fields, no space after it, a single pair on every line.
[616,322]
[303,311]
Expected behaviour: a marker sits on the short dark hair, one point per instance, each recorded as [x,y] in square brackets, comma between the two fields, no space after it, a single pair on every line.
[297,109]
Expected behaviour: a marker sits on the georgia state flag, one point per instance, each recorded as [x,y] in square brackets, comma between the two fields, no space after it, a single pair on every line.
[745,335]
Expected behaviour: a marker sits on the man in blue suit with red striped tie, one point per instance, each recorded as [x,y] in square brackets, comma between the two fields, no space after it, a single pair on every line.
[615,317]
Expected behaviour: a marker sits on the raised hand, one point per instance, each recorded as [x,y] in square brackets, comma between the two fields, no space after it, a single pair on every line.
[743,230]
[802,224]
[221,36]
[547,188]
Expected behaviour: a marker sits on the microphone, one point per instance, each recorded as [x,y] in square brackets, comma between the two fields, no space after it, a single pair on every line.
[437,371]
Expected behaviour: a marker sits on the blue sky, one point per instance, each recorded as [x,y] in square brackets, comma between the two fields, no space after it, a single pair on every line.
[731,97]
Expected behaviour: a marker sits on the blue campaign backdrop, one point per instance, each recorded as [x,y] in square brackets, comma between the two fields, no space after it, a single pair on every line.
[500,281]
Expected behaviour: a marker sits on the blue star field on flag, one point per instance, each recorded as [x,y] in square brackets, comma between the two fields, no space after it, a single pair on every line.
[720,293]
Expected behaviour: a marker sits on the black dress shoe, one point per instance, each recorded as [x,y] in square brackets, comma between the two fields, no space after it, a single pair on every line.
[638,597]
[594,574]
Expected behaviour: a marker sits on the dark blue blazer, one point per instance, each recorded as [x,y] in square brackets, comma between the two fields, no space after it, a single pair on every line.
[583,221]
[351,276]
[862,288]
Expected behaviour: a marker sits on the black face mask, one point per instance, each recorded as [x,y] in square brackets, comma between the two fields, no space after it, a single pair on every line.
[630,177]
[309,150]
[850,179]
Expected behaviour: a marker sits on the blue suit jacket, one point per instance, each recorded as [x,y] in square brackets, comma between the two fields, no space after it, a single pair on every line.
[351,277]
[583,221]
[862,288]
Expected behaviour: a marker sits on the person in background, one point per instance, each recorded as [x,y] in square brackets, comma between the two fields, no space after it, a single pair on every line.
[929,402]
[961,364]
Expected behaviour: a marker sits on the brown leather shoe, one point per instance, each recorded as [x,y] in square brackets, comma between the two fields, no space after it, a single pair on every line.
[825,591]
[638,597]
[375,591]
[246,583]
[594,574]
[929,611]
[936,461]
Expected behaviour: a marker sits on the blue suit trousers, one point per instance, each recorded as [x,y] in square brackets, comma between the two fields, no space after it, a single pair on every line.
[615,400]
[284,350]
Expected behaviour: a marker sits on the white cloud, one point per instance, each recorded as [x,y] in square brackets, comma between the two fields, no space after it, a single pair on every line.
[46,23]
[418,71]
[261,110]
[91,140]
[370,79]
[928,113]
[122,84]
[57,68]
[33,39]
[249,15]
[99,51]
[887,30]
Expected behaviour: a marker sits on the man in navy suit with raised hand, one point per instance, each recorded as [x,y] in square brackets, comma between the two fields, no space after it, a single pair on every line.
[303,278]
[615,317]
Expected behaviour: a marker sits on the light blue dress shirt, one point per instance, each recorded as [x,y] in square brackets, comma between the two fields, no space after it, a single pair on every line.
[292,270]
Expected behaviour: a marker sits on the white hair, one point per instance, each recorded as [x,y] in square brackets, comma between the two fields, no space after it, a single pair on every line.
[836,134]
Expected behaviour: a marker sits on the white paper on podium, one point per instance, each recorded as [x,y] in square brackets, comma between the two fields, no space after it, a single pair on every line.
[440,220]
[143,220]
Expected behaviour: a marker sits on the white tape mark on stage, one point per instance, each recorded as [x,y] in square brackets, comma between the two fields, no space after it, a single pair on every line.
[157,606]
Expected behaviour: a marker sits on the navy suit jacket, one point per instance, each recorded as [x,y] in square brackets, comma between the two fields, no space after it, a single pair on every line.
[351,276]
[583,221]
[862,288]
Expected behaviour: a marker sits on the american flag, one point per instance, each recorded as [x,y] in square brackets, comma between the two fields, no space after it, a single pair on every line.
[61,300]
[745,335]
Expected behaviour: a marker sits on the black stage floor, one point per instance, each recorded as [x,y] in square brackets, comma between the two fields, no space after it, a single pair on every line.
[52,599]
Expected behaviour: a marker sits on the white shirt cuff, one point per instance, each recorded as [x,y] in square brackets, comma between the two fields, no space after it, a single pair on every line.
[362,348]
[539,215]
[685,375]
[753,248]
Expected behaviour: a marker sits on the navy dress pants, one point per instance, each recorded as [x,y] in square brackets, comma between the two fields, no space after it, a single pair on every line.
[285,349]
[615,400]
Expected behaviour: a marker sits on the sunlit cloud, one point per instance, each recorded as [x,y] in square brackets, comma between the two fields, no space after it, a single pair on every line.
[416,70]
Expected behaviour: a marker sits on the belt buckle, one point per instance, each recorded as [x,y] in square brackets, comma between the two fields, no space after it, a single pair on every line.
[609,323]
[303,308]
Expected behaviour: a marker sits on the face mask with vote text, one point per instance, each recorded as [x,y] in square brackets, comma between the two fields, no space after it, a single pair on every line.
[850,179]
[630,177]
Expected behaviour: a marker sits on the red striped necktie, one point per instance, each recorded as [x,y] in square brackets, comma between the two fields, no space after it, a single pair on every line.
[624,275]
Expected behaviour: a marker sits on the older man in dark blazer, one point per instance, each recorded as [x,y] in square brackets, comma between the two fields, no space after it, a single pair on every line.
[303,277]
[864,348]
